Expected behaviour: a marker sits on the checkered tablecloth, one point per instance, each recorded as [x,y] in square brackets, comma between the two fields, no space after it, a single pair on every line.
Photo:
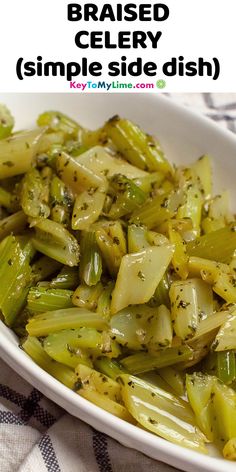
[35,434]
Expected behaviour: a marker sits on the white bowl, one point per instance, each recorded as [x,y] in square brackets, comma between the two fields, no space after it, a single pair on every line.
[184,136]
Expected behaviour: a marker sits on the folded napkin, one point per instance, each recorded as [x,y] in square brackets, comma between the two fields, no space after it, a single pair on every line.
[38,436]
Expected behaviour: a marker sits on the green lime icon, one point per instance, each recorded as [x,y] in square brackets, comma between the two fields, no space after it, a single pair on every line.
[161,83]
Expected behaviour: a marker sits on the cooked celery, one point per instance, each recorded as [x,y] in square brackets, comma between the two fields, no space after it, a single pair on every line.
[40,300]
[104,301]
[68,278]
[61,201]
[134,327]
[161,329]
[226,336]
[218,245]
[43,268]
[78,177]
[87,297]
[56,242]
[191,301]
[14,223]
[93,380]
[87,208]
[107,404]
[90,261]
[112,263]
[153,212]
[137,147]
[15,276]
[144,270]
[57,121]
[149,404]
[229,450]
[53,321]
[109,367]
[142,362]
[127,196]
[8,200]
[174,378]
[17,152]
[226,369]
[62,373]
[99,161]
[6,122]
[32,201]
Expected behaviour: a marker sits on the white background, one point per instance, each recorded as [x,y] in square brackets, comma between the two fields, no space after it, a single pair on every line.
[195,28]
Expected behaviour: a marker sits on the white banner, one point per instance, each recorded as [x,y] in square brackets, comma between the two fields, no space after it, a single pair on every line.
[146,46]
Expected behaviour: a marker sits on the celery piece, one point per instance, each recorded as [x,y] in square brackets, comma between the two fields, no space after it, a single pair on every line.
[203,169]
[111,240]
[46,176]
[104,301]
[90,260]
[59,348]
[6,122]
[161,294]
[40,300]
[15,278]
[226,336]
[106,404]
[9,201]
[224,404]
[68,318]
[51,142]
[217,246]
[14,223]
[32,195]
[174,379]
[214,405]
[64,374]
[78,177]
[137,238]
[99,161]
[224,286]
[68,278]
[229,451]
[191,300]
[211,323]
[180,257]
[87,208]
[87,297]
[226,369]
[199,391]
[127,196]
[109,367]
[53,240]
[82,338]
[150,182]
[110,248]
[161,412]
[143,270]
[161,330]
[57,121]
[138,148]
[192,206]
[18,151]
[209,225]
[101,383]
[61,201]
[43,268]
[153,212]
[142,362]
[132,327]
